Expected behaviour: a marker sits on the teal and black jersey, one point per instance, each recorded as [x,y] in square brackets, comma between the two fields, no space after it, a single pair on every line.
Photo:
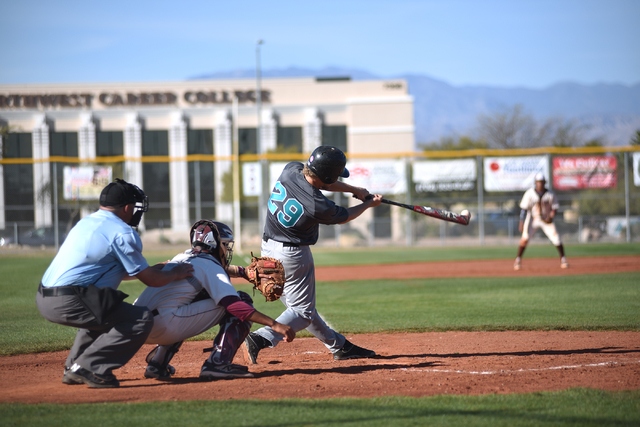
[296,209]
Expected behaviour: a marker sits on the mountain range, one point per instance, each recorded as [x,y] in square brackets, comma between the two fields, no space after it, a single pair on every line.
[608,112]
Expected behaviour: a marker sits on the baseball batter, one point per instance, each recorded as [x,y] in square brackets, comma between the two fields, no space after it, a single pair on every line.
[188,307]
[538,208]
[295,210]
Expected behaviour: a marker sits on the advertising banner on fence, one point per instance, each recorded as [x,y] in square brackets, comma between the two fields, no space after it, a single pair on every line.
[572,173]
[378,176]
[636,169]
[513,173]
[444,175]
[85,182]
[251,179]
[275,170]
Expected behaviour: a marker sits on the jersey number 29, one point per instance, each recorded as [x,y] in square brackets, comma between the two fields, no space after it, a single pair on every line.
[291,209]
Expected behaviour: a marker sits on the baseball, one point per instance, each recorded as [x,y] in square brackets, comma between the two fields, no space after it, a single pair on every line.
[464,213]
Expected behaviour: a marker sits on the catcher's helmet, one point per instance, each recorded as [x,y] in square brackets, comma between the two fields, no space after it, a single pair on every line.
[213,237]
[120,193]
[328,163]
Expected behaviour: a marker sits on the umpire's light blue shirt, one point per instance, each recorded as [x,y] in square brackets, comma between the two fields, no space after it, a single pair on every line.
[101,249]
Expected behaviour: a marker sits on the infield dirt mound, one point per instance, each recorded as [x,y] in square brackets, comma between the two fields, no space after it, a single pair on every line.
[416,364]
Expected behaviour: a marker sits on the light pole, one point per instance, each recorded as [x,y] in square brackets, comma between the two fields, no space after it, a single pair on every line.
[259,148]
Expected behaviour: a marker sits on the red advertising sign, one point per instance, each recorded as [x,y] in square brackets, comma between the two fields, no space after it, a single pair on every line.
[570,173]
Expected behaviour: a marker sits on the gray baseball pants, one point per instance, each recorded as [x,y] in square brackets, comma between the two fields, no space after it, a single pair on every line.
[99,347]
[299,296]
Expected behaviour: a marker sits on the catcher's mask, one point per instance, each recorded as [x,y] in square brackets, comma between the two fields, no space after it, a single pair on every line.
[328,163]
[120,193]
[213,237]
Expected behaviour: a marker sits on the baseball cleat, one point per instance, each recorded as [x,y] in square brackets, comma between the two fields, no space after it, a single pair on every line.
[78,373]
[564,263]
[251,347]
[155,371]
[211,371]
[66,379]
[352,351]
[516,265]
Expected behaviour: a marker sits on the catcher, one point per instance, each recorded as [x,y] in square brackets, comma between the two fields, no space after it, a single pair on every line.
[539,207]
[186,308]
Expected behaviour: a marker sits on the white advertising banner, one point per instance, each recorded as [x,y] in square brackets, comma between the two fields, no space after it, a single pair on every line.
[378,176]
[513,173]
[275,170]
[445,175]
[251,179]
[85,182]
[636,169]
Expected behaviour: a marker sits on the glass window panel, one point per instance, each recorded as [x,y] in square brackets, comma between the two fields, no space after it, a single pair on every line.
[336,136]
[109,144]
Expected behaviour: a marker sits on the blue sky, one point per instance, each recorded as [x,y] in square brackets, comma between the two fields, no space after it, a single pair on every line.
[507,43]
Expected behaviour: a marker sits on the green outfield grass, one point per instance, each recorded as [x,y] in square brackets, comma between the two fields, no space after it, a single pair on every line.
[593,302]
[577,407]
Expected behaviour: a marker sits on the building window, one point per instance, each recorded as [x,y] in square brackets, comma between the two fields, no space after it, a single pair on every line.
[155,179]
[64,144]
[336,136]
[290,139]
[200,141]
[109,144]
[247,142]
[18,180]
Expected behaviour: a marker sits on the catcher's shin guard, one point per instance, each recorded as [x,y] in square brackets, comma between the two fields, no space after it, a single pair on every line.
[232,333]
[158,361]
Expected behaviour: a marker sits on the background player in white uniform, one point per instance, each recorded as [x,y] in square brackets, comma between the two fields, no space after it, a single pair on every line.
[189,307]
[539,207]
[295,210]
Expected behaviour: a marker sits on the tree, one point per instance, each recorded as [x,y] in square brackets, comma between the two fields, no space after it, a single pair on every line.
[512,128]
[450,143]
[635,139]
[566,133]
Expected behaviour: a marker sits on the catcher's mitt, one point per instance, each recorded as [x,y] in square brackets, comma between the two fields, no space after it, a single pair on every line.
[271,287]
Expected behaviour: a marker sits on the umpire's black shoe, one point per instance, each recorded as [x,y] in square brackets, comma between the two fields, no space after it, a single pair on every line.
[352,351]
[66,379]
[78,373]
[252,346]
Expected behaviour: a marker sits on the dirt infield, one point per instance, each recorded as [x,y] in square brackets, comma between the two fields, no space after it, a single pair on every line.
[417,364]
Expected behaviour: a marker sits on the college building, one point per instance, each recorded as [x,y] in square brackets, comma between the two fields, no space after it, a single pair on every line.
[175,139]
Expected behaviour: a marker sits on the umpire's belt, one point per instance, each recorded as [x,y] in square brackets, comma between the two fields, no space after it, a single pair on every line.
[285,244]
[56,291]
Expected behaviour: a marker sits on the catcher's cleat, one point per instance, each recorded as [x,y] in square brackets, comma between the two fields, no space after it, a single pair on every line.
[252,346]
[564,263]
[516,265]
[66,379]
[352,351]
[78,373]
[211,372]
[155,371]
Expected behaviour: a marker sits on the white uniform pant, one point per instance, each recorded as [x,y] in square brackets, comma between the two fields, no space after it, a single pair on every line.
[531,225]
[299,296]
[175,324]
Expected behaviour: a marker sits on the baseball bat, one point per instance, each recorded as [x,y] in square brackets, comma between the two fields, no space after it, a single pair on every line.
[462,218]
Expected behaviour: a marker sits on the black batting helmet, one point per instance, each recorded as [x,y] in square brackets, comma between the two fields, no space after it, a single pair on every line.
[328,163]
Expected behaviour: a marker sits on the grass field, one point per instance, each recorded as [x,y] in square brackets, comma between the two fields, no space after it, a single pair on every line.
[596,302]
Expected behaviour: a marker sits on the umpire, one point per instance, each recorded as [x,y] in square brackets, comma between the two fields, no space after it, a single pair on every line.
[79,288]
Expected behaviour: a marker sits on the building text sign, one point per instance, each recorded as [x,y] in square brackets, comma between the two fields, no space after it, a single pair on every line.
[129,99]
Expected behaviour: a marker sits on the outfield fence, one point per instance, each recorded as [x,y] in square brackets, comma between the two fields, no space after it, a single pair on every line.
[598,189]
